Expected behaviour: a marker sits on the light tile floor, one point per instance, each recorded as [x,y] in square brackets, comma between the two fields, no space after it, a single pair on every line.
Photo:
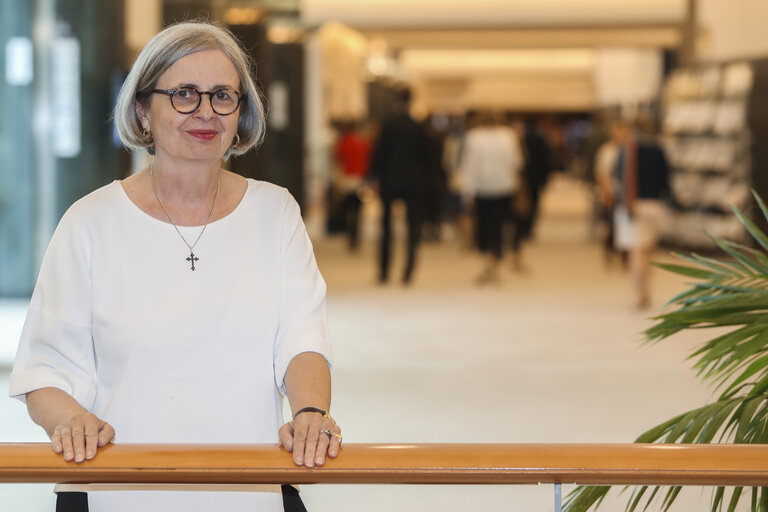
[552,356]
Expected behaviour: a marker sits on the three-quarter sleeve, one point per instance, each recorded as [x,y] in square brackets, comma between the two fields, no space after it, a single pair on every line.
[56,347]
[302,323]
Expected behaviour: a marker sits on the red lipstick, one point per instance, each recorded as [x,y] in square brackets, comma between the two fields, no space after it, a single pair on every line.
[203,134]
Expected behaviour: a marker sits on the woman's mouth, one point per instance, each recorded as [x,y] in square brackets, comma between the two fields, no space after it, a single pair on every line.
[203,134]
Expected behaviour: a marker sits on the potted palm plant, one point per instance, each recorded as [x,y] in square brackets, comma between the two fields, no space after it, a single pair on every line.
[729,293]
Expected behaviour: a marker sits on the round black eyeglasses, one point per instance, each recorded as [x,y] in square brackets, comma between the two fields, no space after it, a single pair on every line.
[186,100]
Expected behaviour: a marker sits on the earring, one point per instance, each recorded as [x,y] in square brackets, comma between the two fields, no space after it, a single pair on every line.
[147,135]
[235,140]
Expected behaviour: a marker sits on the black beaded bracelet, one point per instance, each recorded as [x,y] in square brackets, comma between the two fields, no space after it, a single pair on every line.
[309,409]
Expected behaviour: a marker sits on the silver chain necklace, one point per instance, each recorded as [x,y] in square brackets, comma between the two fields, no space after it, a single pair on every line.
[192,258]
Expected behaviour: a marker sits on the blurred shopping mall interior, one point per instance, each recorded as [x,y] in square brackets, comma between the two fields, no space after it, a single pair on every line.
[552,351]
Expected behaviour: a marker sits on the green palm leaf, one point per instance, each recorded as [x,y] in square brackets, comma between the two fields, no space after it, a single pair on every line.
[729,293]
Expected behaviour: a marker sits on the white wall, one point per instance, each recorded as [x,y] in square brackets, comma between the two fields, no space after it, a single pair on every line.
[732,29]
[626,76]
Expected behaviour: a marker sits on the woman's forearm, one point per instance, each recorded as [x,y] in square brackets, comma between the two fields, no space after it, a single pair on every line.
[312,435]
[308,382]
[50,407]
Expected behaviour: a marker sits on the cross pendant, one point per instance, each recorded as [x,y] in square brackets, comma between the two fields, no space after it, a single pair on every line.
[192,258]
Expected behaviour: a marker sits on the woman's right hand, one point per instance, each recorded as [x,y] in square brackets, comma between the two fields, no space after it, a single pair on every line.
[80,437]
[74,432]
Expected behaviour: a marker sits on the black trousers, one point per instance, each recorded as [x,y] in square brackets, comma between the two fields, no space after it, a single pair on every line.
[78,501]
[414,206]
[72,502]
[491,212]
[352,206]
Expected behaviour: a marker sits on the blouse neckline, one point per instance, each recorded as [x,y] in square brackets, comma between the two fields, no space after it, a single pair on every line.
[135,207]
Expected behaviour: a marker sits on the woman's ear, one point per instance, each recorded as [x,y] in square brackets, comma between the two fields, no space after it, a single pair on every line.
[142,114]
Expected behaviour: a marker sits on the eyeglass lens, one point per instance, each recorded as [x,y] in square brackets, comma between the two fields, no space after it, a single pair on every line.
[186,100]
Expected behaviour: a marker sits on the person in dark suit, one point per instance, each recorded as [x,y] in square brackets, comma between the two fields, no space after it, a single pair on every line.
[399,168]
[538,165]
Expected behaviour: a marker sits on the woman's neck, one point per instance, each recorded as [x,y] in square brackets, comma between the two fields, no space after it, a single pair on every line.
[184,185]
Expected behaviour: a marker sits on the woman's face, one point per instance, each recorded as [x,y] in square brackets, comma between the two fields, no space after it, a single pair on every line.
[203,134]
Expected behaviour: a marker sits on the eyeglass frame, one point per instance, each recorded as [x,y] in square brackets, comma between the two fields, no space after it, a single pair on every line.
[171,92]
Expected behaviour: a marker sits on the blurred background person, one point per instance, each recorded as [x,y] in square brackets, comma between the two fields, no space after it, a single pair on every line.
[646,189]
[352,155]
[599,134]
[641,183]
[457,210]
[605,161]
[434,192]
[623,224]
[552,128]
[491,163]
[517,227]
[399,169]
[538,165]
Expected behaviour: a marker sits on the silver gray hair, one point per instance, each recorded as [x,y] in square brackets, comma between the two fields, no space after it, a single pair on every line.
[160,53]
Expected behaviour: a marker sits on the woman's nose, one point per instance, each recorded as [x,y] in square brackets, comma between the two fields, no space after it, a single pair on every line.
[205,110]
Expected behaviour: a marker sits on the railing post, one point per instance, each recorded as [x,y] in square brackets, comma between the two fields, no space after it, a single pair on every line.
[558,497]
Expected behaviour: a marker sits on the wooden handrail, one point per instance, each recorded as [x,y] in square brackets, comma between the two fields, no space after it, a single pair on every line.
[614,464]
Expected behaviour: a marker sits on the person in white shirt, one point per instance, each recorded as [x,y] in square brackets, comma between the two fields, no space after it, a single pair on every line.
[181,304]
[606,159]
[491,165]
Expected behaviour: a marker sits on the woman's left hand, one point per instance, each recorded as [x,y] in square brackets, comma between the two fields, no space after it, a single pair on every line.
[311,437]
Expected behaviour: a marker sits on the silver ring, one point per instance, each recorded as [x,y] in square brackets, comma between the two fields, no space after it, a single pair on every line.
[328,433]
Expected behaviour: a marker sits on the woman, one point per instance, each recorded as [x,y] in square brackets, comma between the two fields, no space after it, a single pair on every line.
[646,191]
[491,165]
[352,153]
[178,305]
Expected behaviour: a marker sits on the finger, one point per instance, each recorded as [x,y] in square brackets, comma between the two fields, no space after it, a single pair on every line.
[310,446]
[106,434]
[285,435]
[66,443]
[56,441]
[322,449]
[299,442]
[335,445]
[91,438]
[78,442]
[334,448]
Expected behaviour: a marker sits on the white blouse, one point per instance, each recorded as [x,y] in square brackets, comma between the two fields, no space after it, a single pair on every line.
[491,162]
[169,355]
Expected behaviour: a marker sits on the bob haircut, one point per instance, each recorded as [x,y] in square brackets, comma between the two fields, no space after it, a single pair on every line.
[160,53]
